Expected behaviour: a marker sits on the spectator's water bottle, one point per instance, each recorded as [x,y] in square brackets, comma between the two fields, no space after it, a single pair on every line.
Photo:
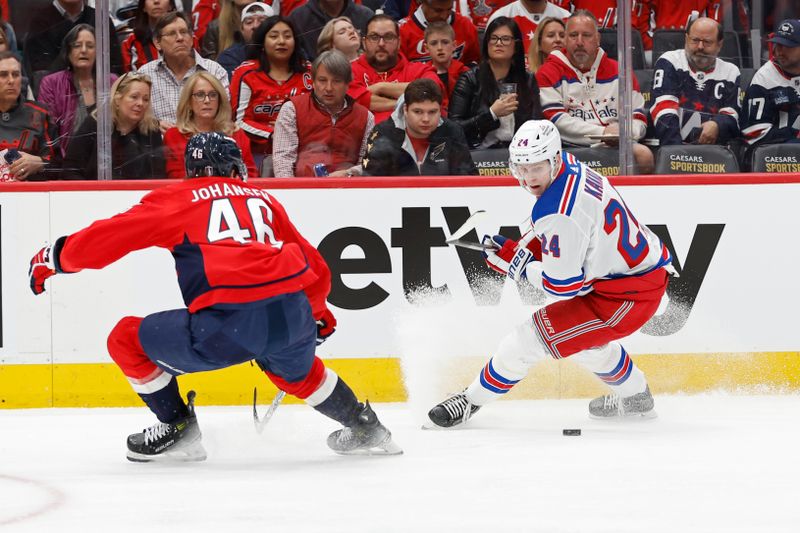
[320,170]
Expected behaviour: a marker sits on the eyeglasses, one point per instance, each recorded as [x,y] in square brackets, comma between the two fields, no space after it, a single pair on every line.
[388,38]
[201,96]
[706,42]
[174,34]
[505,40]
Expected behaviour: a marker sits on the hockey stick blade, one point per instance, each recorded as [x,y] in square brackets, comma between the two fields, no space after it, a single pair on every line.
[471,245]
[471,223]
[261,423]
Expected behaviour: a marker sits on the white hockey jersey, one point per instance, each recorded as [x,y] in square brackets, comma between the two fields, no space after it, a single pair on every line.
[584,103]
[588,233]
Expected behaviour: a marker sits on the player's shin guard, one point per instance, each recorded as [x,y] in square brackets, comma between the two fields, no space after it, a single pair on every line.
[614,367]
[156,388]
[512,360]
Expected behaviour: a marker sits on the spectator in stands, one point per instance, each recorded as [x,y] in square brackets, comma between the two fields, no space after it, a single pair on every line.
[488,115]
[179,60]
[696,94]
[550,35]
[3,40]
[24,126]
[204,106]
[203,12]
[274,73]
[381,74]
[41,53]
[136,147]
[8,33]
[579,88]
[223,31]
[416,140]
[399,9]
[236,54]
[528,14]
[412,32]
[314,14]
[440,41]
[69,95]
[771,109]
[138,48]
[323,127]
[340,34]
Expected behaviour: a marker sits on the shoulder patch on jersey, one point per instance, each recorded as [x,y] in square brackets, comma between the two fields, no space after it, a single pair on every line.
[560,197]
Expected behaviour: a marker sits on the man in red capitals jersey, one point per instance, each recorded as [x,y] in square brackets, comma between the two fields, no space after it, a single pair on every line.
[254,288]
[381,74]
[412,32]
[527,14]
[607,272]
[274,73]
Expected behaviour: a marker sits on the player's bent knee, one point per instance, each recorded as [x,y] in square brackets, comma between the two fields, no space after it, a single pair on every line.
[520,349]
[126,350]
[304,387]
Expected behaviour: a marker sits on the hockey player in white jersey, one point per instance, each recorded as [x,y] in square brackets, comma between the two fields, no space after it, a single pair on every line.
[588,251]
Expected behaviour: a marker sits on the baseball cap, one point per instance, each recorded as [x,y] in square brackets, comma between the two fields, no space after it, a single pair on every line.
[788,33]
[257,8]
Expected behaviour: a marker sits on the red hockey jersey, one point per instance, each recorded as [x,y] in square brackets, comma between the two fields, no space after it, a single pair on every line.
[232,243]
[481,10]
[412,38]
[256,100]
[403,72]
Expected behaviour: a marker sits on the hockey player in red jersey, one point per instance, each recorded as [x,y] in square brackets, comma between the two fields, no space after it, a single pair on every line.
[254,289]
[585,249]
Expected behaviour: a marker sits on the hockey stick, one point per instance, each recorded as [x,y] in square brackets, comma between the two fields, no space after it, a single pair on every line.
[467,226]
[471,245]
[261,423]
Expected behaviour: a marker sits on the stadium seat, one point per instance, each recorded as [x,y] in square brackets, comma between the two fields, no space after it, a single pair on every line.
[731,49]
[666,41]
[747,77]
[695,159]
[603,160]
[608,42]
[491,161]
[777,158]
[645,78]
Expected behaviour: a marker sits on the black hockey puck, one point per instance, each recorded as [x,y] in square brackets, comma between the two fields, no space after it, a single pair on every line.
[572,432]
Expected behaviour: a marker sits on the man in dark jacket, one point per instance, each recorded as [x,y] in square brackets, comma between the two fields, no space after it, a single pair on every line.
[48,28]
[416,140]
[311,17]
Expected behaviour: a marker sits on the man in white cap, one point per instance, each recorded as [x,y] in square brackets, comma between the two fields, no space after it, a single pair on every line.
[252,17]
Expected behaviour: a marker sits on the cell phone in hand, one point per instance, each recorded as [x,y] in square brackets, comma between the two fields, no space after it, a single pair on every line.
[11,155]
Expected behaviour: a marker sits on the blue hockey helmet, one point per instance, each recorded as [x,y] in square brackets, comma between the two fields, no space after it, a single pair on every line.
[213,154]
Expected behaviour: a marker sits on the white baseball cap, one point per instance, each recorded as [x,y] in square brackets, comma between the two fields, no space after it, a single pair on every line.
[257,8]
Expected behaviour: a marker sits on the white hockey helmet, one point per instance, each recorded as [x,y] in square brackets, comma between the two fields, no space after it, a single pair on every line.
[535,141]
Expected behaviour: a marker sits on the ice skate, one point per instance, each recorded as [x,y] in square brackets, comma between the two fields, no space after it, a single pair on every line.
[455,410]
[366,437]
[612,406]
[177,441]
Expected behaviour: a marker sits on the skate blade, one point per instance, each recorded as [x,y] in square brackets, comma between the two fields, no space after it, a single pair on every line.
[387,447]
[633,417]
[189,453]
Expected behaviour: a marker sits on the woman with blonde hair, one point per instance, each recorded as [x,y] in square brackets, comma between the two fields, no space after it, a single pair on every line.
[340,34]
[203,106]
[550,35]
[137,151]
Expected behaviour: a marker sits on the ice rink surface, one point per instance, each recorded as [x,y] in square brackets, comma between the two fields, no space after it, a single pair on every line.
[709,463]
